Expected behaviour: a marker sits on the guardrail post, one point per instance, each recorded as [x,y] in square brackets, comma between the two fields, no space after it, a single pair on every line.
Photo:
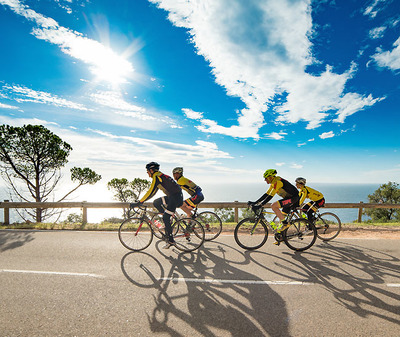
[360,210]
[236,213]
[6,214]
[84,214]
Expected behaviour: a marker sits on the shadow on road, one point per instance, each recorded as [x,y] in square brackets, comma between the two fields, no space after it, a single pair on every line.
[357,277]
[354,275]
[211,307]
[14,239]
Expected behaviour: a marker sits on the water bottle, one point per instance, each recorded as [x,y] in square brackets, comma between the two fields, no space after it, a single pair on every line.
[158,224]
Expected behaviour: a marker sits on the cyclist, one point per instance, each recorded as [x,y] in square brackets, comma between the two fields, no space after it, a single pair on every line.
[196,195]
[316,197]
[166,204]
[288,193]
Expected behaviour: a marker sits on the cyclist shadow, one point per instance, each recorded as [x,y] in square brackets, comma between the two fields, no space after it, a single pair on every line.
[356,276]
[211,305]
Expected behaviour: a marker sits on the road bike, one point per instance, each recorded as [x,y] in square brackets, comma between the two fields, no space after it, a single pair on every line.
[328,224]
[136,233]
[252,233]
[211,222]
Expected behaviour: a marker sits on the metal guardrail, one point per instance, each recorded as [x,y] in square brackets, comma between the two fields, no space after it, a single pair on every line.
[236,205]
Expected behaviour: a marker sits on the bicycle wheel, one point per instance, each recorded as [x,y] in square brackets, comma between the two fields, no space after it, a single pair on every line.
[328,226]
[212,224]
[300,236]
[189,234]
[135,234]
[157,224]
[250,234]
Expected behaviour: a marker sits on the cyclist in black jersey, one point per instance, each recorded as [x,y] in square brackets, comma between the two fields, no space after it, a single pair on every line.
[166,204]
[280,186]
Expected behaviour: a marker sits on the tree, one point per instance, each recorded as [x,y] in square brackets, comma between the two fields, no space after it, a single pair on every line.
[387,194]
[33,155]
[126,191]
[225,214]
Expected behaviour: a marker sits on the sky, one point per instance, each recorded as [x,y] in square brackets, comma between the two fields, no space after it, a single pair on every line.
[224,88]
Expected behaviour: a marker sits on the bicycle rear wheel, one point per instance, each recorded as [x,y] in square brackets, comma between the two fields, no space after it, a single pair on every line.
[250,234]
[328,226]
[212,224]
[300,236]
[135,234]
[189,234]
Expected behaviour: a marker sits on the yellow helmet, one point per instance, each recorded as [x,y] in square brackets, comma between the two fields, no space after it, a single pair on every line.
[270,173]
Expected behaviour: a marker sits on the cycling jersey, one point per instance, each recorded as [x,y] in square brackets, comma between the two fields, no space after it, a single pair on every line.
[310,193]
[164,183]
[281,187]
[188,186]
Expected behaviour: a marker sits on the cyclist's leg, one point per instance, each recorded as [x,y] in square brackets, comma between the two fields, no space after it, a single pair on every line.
[173,201]
[190,204]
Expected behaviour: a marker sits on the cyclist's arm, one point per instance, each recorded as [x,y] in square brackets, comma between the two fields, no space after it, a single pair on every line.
[266,196]
[152,190]
[303,195]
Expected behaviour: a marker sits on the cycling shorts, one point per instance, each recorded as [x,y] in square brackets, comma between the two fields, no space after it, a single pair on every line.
[288,204]
[194,200]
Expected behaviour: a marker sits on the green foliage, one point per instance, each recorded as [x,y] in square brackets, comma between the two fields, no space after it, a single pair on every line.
[388,194]
[225,214]
[34,156]
[74,218]
[84,176]
[247,213]
[126,191]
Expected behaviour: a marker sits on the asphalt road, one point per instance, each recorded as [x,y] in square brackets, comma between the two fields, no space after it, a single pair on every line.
[59,283]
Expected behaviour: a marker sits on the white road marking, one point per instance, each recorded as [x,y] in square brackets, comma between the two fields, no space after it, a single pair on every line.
[49,273]
[393,284]
[206,280]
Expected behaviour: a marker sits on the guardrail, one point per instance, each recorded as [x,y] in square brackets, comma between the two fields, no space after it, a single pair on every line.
[236,205]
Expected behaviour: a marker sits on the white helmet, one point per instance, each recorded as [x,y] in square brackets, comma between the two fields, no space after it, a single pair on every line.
[177,170]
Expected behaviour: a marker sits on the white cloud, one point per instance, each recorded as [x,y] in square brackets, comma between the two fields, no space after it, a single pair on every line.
[276,135]
[258,50]
[23,94]
[377,32]
[296,166]
[279,164]
[104,63]
[6,106]
[192,114]
[389,59]
[326,135]
[372,10]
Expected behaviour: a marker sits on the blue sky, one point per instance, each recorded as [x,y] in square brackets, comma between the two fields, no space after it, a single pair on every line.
[224,88]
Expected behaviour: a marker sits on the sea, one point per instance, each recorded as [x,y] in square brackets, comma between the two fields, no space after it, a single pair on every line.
[333,193]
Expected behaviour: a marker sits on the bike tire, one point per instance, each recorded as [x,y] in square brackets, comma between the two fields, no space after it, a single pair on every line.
[212,224]
[248,237]
[189,234]
[328,226]
[300,236]
[135,234]
[159,233]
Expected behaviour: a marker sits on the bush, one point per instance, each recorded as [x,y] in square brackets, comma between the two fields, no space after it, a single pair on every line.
[386,194]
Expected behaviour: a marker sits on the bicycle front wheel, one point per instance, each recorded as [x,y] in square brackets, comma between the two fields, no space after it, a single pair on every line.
[300,236]
[328,226]
[189,234]
[135,234]
[212,224]
[251,234]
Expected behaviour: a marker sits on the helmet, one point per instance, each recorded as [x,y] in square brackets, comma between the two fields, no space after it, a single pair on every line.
[301,180]
[153,165]
[178,170]
[270,173]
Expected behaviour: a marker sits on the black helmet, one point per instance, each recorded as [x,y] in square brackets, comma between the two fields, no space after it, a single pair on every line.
[153,165]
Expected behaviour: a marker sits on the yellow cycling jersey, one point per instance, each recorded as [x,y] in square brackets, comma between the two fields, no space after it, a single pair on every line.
[164,183]
[188,186]
[310,193]
[282,187]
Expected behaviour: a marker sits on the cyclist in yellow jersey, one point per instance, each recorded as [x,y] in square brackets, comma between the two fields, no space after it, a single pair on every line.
[167,204]
[288,193]
[195,192]
[316,197]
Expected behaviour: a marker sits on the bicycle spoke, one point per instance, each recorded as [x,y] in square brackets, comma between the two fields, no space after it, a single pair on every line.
[328,226]
[135,234]
[301,235]
[250,234]
[212,224]
[189,234]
